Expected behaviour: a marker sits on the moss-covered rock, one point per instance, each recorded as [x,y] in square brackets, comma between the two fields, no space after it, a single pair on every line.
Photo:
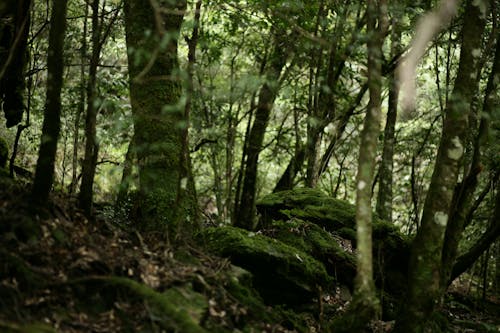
[281,273]
[391,248]
[318,243]
[307,204]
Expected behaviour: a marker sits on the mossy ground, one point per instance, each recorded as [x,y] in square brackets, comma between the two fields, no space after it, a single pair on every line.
[60,272]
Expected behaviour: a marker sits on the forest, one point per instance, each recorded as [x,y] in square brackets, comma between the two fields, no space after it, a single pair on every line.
[249,166]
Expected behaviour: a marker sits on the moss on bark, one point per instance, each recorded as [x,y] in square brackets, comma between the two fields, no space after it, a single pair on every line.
[157,106]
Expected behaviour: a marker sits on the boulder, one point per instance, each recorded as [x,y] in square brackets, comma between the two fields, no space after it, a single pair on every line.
[337,218]
[282,274]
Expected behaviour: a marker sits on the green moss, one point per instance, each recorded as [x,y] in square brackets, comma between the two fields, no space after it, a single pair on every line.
[291,320]
[250,299]
[318,243]
[275,265]
[178,309]
[192,302]
[311,239]
[310,205]
[60,236]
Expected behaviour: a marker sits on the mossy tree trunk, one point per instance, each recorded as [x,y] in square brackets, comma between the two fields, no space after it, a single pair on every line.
[384,197]
[365,301]
[44,174]
[463,198]
[425,262]
[159,121]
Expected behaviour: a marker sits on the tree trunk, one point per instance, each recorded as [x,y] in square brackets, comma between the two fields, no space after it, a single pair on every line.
[159,120]
[44,174]
[130,157]
[91,146]
[464,192]
[384,198]
[466,260]
[365,301]
[294,166]
[246,207]
[14,29]
[81,104]
[425,261]
[324,115]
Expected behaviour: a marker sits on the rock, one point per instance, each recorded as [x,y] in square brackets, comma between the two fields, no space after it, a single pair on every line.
[391,248]
[281,273]
[320,244]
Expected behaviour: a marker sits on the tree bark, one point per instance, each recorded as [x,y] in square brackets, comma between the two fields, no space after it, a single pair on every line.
[294,166]
[14,30]
[130,158]
[384,198]
[365,301]
[425,261]
[466,260]
[464,192]
[44,174]
[246,207]
[159,119]
[91,146]
[81,103]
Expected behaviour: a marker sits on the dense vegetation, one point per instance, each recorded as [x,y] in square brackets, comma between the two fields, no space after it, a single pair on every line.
[342,154]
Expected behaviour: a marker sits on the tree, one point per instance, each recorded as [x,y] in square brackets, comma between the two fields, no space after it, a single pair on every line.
[384,198]
[365,302]
[15,21]
[463,196]
[99,36]
[245,210]
[152,32]
[44,174]
[425,263]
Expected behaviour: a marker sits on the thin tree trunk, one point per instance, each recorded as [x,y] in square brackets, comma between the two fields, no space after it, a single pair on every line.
[425,260]
[81,103]
[186,190]
[384,198]
[91,146]
[246,207]
[293,167]
[128,164]
[497,267]
[44,174]
[466,260]
[365,302]
[316,165]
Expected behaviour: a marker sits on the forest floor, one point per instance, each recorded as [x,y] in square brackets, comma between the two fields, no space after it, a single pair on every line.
[58,274]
